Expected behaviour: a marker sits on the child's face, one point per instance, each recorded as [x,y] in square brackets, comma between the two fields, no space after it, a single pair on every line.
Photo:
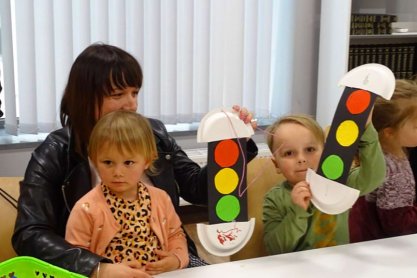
[297,149]
[120,172]
[406,135]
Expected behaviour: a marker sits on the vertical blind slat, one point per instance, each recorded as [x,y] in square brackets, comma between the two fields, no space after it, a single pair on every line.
[217,37]
[249,52]
[282,59]
[44,62]
[263,67]
[80,25]
[117,23]
[8,67]
[185,60]
[201,59]
[233,53]
[152,58]
[135,36]
[169,61]
[26,76]
[63,47]
[100,21]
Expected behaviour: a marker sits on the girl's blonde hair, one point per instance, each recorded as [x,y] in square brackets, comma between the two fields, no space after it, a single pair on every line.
[301,119]
[402,106]
[129,132]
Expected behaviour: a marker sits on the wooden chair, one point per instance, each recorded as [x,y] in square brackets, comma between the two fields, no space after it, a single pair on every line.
[9,186]
[262,176]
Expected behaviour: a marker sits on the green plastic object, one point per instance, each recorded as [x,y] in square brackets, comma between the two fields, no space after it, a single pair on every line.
[28,267]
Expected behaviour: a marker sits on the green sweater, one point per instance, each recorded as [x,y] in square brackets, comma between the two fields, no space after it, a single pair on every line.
[287,227]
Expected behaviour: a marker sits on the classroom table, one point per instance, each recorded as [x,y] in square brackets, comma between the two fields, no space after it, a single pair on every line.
[392,257]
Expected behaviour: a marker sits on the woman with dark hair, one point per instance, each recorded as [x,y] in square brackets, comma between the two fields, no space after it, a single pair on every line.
[103,79]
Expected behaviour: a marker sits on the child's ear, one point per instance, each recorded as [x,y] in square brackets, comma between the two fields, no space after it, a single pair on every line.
[277,169]
[387,132]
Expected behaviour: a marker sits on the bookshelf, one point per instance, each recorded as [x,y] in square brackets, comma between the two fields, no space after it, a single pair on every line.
[398,51]
[383,39]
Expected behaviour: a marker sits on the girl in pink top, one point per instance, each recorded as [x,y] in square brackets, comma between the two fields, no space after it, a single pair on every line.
[122,218]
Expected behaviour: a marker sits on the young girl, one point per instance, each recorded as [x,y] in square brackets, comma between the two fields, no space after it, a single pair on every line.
[291,222]
[391,209]
[122,218]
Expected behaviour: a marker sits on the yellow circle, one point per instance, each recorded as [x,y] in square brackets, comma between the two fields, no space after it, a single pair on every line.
[347,133]
[226,180]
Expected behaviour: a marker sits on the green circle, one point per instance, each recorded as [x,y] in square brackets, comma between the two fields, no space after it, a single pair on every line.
[332,167]
[228,208]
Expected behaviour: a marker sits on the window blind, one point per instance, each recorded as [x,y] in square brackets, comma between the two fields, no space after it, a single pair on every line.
[196,55]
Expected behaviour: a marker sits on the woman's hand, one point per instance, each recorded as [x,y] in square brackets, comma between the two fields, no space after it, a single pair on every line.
[124,270]
[167,262]
[245,116]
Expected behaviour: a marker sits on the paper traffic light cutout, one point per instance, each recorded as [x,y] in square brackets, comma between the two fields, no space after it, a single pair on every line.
[228,229]
[363,84]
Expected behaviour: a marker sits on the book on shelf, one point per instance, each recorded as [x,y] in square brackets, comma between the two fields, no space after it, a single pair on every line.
[365,17]
[371,24]
[400,58]
[370,28]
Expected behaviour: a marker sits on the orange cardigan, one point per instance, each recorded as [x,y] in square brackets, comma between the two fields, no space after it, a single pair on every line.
[91,224]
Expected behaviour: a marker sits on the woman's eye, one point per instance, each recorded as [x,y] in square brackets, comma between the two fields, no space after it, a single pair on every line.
[116,95]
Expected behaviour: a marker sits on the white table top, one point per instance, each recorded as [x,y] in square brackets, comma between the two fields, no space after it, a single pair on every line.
[391,257]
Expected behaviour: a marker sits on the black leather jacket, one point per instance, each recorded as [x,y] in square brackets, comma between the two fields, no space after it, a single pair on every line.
[56,177]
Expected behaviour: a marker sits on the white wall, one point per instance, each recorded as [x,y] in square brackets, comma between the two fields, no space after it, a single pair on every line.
[306,48]
[13,162]
[333,56]
[406,10]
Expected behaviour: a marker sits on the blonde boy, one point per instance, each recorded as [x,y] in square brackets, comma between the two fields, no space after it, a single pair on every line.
[291,222]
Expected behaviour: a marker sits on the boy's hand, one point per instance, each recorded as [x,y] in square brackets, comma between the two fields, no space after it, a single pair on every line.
[301,194]
[167,262]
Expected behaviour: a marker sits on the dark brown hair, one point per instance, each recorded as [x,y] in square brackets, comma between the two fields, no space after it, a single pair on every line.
[96,72]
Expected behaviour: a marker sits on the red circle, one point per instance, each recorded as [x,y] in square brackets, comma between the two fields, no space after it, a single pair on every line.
[358,101]
[226,153]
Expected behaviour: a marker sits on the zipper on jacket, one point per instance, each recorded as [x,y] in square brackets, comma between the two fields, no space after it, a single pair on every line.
[65,198]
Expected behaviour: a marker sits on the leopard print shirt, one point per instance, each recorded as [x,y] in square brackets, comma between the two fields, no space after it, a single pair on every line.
[135,241]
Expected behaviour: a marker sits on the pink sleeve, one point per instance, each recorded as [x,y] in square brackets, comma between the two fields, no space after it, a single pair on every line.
[177,242]
[79,228]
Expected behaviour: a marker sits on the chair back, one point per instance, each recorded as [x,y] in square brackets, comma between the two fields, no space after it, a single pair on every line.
[262,176]
[9,193]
